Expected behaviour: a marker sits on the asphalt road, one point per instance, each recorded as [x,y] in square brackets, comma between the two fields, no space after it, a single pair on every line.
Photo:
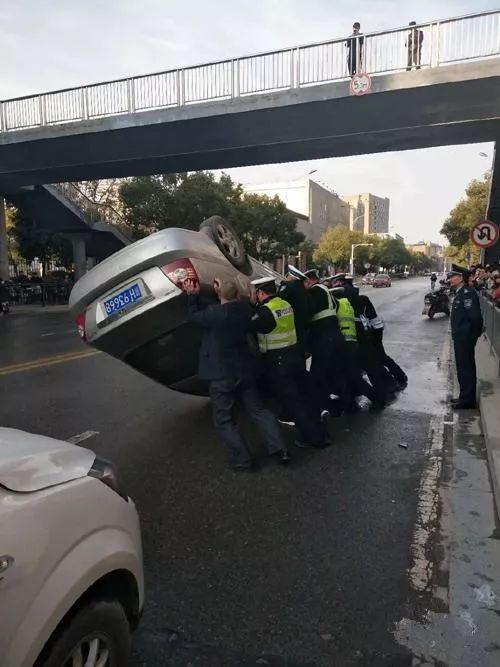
[302,566]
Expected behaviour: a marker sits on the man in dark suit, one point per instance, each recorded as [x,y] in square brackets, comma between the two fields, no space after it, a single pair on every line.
[225,361]
[466,327]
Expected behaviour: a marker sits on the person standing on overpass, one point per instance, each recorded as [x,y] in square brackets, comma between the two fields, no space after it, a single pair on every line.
[466,327]
[354,46]
[414,46]
[226,363]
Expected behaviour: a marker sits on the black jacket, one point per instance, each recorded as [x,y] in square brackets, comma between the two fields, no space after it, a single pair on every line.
[466,318]
[224,351]
[295,293]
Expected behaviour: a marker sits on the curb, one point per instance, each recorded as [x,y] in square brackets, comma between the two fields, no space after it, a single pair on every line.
[37,310]
[489,405]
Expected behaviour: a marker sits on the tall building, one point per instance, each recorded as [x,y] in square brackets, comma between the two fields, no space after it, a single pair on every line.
[317,206]
[432,250]
[369,213]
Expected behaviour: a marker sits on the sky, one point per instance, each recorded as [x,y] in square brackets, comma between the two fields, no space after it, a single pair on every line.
[53,44]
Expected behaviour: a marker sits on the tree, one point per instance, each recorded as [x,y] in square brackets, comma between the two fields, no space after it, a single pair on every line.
[335,246]
[185,200]
[32,242]
[266,227]
[464,216]
[391,253]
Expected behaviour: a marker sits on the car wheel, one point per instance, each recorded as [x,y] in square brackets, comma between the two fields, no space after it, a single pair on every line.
[227,240]
[98,635]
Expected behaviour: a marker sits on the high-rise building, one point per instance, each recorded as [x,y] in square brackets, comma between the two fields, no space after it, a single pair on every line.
[369,214]
[318,207]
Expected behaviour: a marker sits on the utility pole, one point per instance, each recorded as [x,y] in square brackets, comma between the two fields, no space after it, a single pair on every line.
[4,246]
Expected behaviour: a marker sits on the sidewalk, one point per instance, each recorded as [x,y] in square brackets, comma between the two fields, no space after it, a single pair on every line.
[488,366]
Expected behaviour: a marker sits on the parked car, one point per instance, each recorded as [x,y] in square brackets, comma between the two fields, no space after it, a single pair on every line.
[382,280]
[132,305]
[71,580]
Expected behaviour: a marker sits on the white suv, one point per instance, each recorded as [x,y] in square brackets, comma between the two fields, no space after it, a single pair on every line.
[71,579]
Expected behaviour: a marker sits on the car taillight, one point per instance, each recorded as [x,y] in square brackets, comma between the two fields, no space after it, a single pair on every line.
[80,325]
[105,471]
[179,271]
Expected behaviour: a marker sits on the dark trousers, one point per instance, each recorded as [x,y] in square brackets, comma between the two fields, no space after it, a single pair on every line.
[414,56]
[286,379]
[226,396]
[322,364]
[394,369]
[380,379]
[357,385]
[466,368]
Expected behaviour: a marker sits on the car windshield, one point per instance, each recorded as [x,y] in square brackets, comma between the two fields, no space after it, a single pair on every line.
[381,276]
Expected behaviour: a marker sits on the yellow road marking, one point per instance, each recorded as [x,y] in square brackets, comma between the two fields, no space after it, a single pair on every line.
[47,361]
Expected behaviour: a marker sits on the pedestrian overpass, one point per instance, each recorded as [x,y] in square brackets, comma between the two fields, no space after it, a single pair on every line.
[280,106]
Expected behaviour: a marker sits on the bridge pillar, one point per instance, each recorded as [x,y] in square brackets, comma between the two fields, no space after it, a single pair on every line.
[79,255]
[4,246]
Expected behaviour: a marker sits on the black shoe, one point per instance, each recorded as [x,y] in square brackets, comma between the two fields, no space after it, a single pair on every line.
[305,444]
[455,400]
[462,405]
[282,457]
[243,467]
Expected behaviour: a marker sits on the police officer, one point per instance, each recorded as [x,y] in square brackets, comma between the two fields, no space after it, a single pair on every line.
[284,366]
[325,342]
[466,327]
[293,290]
[357,385]
[375,332]
[379,378]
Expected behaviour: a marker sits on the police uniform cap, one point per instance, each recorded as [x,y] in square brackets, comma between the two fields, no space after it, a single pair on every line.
[312,273]
[295,272]
[458,271]
[339,276]
[262,283]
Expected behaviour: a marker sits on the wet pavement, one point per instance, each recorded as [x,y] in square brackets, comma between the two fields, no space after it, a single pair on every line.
[338,560]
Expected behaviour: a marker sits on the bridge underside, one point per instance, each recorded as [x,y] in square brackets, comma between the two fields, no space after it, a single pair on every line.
[404,111]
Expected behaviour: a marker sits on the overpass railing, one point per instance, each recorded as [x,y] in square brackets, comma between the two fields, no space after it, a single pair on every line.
[472,37]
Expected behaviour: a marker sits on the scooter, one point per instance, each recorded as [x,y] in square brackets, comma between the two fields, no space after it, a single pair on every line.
[437,302]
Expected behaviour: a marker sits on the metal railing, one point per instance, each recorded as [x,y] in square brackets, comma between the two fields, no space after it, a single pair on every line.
[472,37]
[491,318]
[94,211]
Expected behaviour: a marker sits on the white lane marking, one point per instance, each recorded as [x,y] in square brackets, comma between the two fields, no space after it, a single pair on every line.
[80,437]
[52,333]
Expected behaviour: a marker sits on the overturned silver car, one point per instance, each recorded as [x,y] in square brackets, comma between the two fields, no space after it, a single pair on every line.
[132,305]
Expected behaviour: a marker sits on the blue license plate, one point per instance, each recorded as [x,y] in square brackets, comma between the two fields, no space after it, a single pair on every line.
[123,299]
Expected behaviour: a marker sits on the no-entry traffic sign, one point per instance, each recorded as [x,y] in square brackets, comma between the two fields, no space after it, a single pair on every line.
[484,234]
[360,84]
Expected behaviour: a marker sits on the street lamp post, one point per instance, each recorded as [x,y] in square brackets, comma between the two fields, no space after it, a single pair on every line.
[351,261]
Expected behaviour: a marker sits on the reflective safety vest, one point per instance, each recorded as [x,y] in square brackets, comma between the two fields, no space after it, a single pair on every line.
[347,320]
[283,335]
[331,310]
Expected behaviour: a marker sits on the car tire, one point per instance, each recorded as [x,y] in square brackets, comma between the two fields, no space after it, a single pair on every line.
[227,240]
[101,621]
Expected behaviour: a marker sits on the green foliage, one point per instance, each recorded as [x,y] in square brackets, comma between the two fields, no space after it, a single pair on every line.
[185,200]
[31,242]
[466,213]
[335,246]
